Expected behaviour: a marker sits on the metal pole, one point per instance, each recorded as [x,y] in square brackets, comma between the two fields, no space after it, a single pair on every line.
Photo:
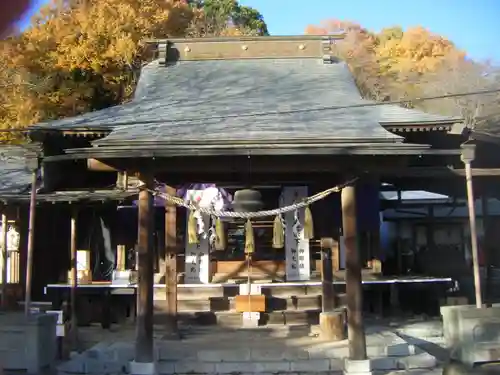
[4,258]
[31,243]
[473,234]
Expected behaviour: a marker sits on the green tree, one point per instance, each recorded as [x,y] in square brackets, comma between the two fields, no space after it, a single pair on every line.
[227,17]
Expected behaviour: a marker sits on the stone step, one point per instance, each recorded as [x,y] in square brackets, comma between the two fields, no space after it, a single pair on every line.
[277,290]
[234,319]
[304,302]
[242,277]
[116,357]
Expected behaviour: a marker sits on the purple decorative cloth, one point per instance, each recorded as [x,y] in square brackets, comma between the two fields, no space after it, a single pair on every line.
[182,192]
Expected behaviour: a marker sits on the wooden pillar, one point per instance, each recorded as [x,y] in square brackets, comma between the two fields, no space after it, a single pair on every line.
[171,266]
[327,289]
[356,332]
[331,321]
[468,154]
[31,242]
[145,270]
[74,278]
[5,262]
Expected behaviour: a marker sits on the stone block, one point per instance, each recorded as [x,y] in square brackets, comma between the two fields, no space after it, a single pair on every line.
[122,353]
[311,365]
[165,368]
[138,368]
[268,355]
[168,353]
[357,367]
[336,364]
[373,351]
[74,366]
[419,361]
[295,354]
[384,363]
[94,366]
[194,367]
[237,355]
[28,343]
[235,367]
[399,350]
[338,352]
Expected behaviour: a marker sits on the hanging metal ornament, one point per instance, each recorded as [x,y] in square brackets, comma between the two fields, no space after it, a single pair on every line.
[247,200]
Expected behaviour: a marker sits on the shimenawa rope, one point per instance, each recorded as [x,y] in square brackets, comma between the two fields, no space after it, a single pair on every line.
[251,215]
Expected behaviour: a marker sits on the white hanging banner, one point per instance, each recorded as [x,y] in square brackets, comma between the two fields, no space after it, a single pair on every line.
[298,260]
[197,267]
[197,256]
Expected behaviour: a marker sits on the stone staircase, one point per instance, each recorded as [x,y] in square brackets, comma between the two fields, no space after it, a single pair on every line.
[214,304]
[252,351]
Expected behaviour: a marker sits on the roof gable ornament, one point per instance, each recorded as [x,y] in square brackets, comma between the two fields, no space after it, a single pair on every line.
[287,47]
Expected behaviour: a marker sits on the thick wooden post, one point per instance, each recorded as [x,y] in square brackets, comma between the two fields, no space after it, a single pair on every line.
[144,358]
[331,321]
[468,154]
[327,289]
[31,243]
[356,332]
[171,267]
[74,278]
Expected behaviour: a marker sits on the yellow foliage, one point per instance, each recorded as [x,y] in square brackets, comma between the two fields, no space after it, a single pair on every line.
[388,64]
[79,56]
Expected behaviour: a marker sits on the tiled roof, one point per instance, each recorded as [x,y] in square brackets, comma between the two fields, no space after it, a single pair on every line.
[15,178]
[214,100]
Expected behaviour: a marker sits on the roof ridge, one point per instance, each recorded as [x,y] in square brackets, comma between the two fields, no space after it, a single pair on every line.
[238,48]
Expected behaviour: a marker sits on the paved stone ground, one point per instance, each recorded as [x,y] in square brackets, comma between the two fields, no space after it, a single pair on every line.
[395,347]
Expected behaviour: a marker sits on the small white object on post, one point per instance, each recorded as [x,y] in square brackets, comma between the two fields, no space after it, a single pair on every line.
[250,318]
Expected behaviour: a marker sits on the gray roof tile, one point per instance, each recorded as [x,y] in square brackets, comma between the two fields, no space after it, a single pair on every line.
[14,176]
[213,99]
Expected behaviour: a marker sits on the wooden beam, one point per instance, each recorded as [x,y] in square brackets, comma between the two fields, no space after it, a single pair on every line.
[31,242]
[437,172]
[171,267]
[145,270]
[356,332]
[99,166]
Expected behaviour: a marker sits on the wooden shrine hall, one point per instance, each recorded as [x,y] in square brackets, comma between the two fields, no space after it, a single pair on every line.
[279,118]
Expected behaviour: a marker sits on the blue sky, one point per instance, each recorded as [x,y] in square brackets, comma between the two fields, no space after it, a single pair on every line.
[472,24]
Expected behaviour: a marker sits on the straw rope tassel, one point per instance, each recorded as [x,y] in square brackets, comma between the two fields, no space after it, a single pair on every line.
[220,235]
[308,224]
[278,233]
[192,229]
[249,238]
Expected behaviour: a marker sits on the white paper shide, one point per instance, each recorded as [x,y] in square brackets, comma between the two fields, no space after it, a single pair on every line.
[198,255]
[298,263]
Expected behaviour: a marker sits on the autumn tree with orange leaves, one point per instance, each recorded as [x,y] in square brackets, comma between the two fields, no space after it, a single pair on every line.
[79,56]
[397,64]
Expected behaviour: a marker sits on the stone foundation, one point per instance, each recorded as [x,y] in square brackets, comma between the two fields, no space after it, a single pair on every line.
[27,344]
[394,354]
